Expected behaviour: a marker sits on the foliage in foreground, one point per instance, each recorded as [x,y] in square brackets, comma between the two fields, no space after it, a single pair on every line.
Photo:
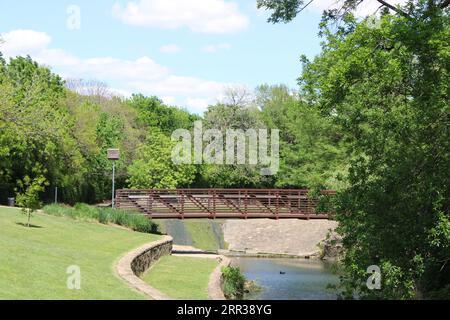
[387,88]
[233,283]
[82,211]
[384,82]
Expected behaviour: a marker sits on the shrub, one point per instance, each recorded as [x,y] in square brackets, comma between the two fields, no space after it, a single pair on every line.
[136,222]
[53,210]
[141,223]
[103,216]
[119,217]
[85,211]
[234,282]
[59,210]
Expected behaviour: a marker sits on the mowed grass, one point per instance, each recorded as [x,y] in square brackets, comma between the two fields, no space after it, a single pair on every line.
[34,261]
[181,277]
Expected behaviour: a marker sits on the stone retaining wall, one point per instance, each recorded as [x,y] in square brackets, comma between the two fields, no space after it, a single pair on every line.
[150,255]
[136,262]
[215,285]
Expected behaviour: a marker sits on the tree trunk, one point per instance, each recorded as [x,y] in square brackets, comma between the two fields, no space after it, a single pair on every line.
[29,216]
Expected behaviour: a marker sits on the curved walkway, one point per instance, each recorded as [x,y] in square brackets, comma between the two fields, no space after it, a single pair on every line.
[137,261]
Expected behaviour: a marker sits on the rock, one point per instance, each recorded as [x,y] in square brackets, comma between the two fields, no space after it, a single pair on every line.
[332,248]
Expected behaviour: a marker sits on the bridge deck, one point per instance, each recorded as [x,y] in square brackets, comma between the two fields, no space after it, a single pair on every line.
[221,203]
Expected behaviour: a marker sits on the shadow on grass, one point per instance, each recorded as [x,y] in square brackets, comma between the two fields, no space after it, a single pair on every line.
[28,226]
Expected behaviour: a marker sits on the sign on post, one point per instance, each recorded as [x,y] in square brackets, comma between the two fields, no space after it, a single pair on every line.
[113,155]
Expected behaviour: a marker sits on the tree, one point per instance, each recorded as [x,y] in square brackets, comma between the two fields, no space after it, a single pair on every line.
[236,112]
[387,90]
[91,88]
[153,167]
[35,127]
[153,113]
[312,150]
[287,10]
[29,198]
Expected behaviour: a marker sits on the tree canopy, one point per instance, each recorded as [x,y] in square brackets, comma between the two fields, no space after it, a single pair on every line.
[386,89]
[369,119]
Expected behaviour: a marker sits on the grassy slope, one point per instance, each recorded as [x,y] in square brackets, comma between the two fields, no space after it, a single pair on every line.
[181,277]
[33,261]
[200,231]
[202,234]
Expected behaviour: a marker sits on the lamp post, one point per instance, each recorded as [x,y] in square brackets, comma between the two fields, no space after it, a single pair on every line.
[113,155]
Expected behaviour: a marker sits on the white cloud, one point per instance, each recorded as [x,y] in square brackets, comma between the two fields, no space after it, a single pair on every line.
[170,48]
[169,100]
[206,16]
[141,75]
[198,105]
[211,48]
[19,41]
[367,7]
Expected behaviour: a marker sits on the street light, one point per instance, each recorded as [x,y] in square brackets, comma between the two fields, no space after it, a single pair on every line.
[113,155]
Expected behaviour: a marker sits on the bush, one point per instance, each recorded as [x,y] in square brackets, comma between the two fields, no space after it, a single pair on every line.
[234,283]
[442,294]
[141,223]
[59,210]
[86,212]
[103,216]
[81,211]
[120,217]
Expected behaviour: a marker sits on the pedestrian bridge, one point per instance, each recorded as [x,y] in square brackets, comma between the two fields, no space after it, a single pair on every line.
[222,203]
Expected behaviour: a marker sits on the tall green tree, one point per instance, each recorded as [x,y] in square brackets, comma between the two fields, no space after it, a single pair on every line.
[237,112]
[153,113]
[153,167]
[311,148]
[35,127]
[387,88]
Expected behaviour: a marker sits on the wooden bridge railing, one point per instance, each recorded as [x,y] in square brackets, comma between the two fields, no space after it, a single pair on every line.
[221,203]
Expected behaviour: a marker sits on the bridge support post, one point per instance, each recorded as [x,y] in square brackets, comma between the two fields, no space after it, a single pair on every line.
[246,199]
[214,204]
[277,199]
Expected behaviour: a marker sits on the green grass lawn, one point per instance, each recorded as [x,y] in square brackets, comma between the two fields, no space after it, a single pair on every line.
[181,277]
[34,261]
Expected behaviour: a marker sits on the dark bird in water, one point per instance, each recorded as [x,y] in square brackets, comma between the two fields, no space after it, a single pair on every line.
[282,272]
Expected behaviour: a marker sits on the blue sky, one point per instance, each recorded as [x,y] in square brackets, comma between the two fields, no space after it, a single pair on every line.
[185,51]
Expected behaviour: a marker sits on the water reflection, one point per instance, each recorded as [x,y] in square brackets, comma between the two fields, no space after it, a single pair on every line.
[289,279]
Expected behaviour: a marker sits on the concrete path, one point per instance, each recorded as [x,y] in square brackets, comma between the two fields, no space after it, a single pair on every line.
[264,236]
[189,251]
